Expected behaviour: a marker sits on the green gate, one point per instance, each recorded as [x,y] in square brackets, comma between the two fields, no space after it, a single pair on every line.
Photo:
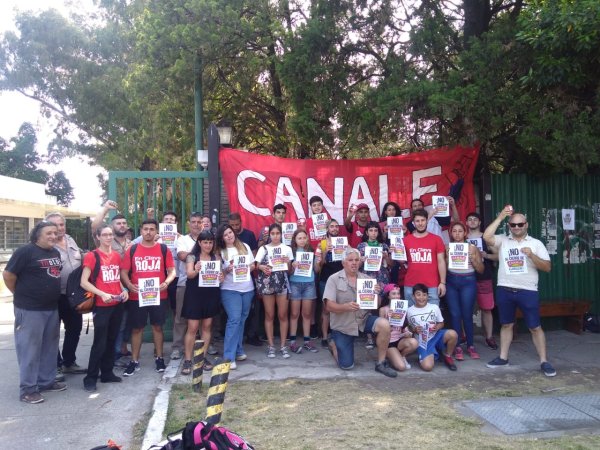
[135,192]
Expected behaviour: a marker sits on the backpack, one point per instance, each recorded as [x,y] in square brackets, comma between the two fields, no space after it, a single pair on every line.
[591,322]
[164,249]
[81,300]
[204,436]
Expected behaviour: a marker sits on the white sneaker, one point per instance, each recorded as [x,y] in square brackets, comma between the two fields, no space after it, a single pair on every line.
[232,365]
[406,363]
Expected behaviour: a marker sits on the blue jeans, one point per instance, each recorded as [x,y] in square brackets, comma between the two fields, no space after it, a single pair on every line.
[432,295]
[344,344]
[237,305]
[461,293]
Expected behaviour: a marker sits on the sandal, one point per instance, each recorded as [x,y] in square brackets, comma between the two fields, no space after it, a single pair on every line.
[207,366]
[187,367]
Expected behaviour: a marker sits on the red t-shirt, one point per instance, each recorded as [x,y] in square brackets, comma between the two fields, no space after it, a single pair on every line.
[109,278]
[421,254]
[356,235]
[147,263]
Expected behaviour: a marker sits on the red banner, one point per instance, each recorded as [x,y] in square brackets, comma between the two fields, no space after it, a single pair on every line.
[255,183]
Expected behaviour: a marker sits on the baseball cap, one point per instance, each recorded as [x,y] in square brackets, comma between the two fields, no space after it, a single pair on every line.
[362,206]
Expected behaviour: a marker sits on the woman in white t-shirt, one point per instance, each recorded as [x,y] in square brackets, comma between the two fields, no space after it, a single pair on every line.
[237,290]
[273,261]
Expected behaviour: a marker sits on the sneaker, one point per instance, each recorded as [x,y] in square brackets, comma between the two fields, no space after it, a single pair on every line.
[384,369]
[54,387]
[406,363]
[59,378]
[497,362]
[212,350]
[284,352]
[160,364]
[458,354]
[370,343]
[33,398]
[232,365]
[74,369]
[491,343]
[242,357]
[449,362]
[310,347]
[324,343]
[110,378]
[187,367]
[295,348]
[89,385]
[176,354]
[132,367]
[255,341]
[548,370]
[271,352]
[472,353]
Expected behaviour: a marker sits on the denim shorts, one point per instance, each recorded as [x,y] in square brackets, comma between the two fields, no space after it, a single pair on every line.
[303,290]
[344,344]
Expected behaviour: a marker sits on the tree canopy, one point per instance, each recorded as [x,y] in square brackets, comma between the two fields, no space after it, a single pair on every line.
[318,78]
[19,159]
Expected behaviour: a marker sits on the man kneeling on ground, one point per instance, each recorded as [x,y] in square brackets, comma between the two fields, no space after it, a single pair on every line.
[347,319]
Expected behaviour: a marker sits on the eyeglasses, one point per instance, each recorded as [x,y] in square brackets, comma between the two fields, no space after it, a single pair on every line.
[518,224]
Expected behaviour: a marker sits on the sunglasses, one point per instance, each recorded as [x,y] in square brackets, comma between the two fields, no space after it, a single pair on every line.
[519,224]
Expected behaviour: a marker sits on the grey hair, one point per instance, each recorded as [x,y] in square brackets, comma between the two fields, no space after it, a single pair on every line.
[349,251]
[55,214]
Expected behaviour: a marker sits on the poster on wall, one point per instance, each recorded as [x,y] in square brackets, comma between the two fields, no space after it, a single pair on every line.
[550,229]
[596,220]
[568,219]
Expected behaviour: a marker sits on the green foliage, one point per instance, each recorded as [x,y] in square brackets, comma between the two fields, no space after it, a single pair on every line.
[351,78]
[21,160]
[60,186]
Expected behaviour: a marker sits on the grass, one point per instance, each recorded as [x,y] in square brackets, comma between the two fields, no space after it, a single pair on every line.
[375,413]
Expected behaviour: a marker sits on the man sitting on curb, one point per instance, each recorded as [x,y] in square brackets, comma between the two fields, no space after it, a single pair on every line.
[347,319]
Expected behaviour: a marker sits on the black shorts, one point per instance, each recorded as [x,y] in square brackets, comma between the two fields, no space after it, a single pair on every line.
[138,317]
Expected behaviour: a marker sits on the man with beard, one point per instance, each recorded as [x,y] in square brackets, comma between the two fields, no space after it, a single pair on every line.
[426,255]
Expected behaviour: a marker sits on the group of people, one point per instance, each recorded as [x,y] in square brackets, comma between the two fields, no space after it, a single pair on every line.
[261,274]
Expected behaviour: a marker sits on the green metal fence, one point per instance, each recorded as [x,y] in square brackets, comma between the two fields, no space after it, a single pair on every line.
[135,192]
[575,254]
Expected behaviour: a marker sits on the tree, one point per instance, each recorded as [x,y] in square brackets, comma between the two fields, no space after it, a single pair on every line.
[21,160]
[59,186]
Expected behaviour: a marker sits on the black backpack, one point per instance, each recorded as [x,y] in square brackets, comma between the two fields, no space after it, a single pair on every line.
[81,300]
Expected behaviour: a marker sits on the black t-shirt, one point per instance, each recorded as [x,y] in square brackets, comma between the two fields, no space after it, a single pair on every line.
[38,277]
[329,267]
[247,237]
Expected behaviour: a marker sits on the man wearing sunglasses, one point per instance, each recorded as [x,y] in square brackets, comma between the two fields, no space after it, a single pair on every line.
[520,259]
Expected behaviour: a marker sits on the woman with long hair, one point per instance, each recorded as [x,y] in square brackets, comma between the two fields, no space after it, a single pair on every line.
[273,286]
[236,296]
[108,310]
[200,304]
[303,293]
[461,291]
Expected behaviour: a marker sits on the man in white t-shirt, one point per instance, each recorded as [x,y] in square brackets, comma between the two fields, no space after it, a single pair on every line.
[520,258]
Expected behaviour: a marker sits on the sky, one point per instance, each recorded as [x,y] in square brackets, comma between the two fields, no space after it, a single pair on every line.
[16,109]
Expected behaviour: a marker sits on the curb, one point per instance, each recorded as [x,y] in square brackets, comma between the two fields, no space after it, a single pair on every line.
[156,424]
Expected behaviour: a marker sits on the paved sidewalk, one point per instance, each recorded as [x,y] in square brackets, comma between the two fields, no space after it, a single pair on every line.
[75,419]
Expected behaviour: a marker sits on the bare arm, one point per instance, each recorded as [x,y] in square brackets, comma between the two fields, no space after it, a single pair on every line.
[99,218]
[441,260]
[10,280]
[490,231]
[454,217]
[545,265]
[475,257]
[88,286]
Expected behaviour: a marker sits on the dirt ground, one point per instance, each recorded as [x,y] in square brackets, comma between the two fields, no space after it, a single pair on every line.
[378,413]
